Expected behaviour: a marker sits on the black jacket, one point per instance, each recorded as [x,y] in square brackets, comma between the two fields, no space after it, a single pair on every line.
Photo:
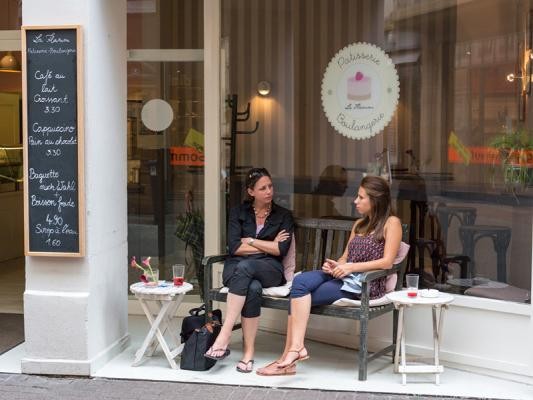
[242,224]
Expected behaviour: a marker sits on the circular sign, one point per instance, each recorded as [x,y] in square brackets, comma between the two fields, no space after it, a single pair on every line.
[360,90]
[157,115]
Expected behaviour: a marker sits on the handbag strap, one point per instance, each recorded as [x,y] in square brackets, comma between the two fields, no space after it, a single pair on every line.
[197,310]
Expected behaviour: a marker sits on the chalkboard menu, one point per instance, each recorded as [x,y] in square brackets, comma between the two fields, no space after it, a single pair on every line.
[53,141]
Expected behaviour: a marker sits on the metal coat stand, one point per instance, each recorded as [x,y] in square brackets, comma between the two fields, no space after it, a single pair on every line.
[233,189]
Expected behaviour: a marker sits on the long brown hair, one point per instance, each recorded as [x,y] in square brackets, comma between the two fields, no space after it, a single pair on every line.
[378,192]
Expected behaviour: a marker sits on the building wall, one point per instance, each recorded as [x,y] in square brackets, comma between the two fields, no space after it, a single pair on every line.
[75,309]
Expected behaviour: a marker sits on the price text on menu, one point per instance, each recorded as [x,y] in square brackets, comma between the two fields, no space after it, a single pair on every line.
[52,141]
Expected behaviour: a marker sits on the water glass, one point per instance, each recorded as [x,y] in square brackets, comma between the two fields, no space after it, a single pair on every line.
[178,272]
[412,284]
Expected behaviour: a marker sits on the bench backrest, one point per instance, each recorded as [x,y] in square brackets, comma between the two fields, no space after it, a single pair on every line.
[319,238]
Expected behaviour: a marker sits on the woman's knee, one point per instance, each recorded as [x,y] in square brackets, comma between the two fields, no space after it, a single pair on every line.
[239,280]
[255,288]
[299,287]
[244,268]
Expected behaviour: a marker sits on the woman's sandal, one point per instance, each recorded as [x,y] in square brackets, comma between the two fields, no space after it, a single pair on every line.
[273,369]
[226,352]
[300,357]
[248,366]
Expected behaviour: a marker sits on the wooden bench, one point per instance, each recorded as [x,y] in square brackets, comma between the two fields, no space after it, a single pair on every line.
[317,239]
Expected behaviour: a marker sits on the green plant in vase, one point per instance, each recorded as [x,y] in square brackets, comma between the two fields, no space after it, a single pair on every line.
[515,150]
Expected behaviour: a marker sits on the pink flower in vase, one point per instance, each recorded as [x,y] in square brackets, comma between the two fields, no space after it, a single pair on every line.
[149,275]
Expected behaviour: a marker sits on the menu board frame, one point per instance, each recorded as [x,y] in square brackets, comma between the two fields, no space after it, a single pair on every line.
[28,251]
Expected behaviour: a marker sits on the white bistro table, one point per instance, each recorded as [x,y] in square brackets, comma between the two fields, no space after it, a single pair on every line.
[438,305]
[165,299]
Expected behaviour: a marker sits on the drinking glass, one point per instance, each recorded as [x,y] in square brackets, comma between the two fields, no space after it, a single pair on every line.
[178,271]
[152,279]
[412,284]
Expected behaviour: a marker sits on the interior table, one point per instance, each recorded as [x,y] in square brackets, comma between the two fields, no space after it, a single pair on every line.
[165,300]
[438,304]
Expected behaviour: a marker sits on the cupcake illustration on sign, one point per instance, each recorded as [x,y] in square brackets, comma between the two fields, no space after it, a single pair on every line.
[360,91]
[359,87]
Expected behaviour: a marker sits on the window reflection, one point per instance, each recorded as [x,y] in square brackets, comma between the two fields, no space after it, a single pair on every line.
[446,162]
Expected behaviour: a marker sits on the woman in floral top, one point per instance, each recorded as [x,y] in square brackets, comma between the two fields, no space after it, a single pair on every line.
[373,244]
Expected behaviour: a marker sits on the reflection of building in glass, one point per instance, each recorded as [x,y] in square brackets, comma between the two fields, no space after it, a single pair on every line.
[333,183]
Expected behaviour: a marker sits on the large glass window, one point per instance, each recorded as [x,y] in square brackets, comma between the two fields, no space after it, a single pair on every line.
[458,149]
[165,136]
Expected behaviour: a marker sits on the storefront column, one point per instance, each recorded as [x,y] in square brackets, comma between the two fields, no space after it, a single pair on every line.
[213,100]
[75,309]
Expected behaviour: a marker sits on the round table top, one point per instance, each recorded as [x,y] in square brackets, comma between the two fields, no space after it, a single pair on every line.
[400,297]
[164,288]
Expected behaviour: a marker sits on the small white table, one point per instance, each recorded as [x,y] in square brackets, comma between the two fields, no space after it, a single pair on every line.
[440,303]
[166,298]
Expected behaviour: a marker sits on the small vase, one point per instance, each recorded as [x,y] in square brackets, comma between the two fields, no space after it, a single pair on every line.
[152,279]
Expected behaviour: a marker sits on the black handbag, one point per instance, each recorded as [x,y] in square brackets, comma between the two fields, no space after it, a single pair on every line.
[200,340]
[196,320]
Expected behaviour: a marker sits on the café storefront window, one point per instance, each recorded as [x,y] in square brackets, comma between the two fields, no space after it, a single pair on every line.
[458,149]
[165,136]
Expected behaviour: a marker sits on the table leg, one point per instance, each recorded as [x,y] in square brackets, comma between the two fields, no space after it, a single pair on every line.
[153,345]
[166,324]
[403,358]
[154,331]
[174,330]
[435,340]
[398,338]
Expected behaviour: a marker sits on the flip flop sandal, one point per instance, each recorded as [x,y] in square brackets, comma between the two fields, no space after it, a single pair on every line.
[246,363]
[220,357]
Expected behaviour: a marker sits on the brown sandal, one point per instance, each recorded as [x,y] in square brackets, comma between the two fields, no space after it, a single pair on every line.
[299,358]
[273,369]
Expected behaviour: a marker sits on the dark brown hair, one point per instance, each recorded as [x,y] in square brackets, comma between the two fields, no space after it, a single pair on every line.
[378,192]
[253,176]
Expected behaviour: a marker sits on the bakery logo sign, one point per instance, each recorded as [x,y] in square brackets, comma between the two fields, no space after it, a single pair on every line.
[360,91]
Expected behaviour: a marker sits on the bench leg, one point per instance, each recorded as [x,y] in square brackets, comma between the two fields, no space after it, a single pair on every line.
[363,348]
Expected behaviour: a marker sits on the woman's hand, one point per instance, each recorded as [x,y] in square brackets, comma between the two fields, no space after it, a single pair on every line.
[329,266]
[282,236]
[341,270]
[245,240]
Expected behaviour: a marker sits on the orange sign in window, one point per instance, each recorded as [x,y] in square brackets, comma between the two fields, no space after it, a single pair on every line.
[490,155]
[188,156]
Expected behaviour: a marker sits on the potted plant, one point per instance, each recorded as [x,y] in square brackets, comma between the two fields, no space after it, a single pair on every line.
[515,150]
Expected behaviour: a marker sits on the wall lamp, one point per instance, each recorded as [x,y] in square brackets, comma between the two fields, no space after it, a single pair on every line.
[525,69]
[9,63]
[512,77]
[263,88]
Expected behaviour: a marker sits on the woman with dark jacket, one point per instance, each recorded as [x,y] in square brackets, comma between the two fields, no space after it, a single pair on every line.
[259,236]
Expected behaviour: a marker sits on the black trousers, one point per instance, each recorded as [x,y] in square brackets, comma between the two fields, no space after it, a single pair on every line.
[247,276]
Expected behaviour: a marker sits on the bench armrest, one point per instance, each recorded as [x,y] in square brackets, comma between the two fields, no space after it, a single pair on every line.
[208,261]
[207,264]
[379,273]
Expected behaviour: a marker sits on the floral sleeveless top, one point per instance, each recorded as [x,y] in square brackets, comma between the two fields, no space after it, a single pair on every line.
[367,248]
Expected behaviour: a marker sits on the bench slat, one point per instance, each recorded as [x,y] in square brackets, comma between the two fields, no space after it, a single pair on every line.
[317,253]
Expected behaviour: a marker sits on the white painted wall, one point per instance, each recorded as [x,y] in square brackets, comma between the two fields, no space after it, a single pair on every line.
[75,310]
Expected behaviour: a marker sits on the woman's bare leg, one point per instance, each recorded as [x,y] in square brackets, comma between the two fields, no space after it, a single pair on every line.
[249,332]
[297,325]
[233,310]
